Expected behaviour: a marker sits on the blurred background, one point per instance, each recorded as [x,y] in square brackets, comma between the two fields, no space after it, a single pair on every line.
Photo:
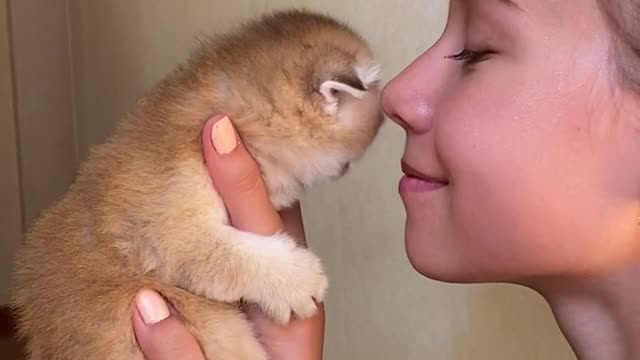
[70,69]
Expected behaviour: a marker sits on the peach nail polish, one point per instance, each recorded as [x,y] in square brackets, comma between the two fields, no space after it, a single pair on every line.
[223,136]
[151,307]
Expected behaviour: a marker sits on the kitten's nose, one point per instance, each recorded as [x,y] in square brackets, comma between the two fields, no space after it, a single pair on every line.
[345,168]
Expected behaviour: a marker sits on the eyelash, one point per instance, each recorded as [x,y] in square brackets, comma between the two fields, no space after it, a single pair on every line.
[469,57]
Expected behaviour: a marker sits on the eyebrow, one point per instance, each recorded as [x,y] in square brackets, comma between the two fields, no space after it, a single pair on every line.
[512,5]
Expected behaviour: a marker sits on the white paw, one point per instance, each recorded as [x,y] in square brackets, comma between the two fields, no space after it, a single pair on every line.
[291,282]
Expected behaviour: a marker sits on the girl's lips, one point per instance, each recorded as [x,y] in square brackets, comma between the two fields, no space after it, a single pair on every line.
[416,181]
[414,184]
[410,171]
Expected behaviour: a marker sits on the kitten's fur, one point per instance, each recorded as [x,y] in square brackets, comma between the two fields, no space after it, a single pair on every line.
[302,90]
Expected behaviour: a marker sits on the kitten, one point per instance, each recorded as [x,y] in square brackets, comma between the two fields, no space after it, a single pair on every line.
[302,90]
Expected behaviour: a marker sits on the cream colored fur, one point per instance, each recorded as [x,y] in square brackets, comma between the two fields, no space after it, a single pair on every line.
[143,212]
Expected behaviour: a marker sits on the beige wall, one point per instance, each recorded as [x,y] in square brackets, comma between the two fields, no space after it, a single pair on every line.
[44,101]
[37,136]
[11,208]
[378,307]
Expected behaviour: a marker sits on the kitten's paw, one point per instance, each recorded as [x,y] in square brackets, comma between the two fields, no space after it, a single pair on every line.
[293,283]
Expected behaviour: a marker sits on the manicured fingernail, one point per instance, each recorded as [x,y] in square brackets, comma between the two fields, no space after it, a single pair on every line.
[223,136]
[151,307]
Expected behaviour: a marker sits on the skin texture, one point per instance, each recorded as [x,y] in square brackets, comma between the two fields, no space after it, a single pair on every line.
[535,148]
[249,208]
[143,213]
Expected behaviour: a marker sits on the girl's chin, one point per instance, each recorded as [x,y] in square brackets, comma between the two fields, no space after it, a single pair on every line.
[441,263]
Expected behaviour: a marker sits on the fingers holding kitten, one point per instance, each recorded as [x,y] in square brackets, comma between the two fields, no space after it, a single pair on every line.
[159,333]
[283,278]
[237,178]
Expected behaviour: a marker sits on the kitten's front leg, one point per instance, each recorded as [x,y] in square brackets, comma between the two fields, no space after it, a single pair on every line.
[270,271]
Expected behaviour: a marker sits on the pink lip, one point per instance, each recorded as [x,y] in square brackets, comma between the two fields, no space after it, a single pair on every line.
[414,181]
[410,184]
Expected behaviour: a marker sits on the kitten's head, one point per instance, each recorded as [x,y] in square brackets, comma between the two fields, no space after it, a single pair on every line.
[303,92]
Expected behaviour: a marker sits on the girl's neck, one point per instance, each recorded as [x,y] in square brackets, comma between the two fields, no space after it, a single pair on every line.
[600,316]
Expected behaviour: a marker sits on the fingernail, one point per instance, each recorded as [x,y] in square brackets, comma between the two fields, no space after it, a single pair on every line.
[151,307]
[223,136]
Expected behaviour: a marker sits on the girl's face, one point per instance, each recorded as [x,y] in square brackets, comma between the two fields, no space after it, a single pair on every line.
[521,160]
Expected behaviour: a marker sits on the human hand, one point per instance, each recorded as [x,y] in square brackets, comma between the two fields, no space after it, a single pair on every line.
[237,178]
[160,332]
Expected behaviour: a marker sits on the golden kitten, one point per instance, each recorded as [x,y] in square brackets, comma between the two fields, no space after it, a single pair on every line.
[302,90]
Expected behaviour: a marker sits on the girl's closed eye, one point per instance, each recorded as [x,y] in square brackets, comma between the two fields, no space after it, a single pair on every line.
[470,57]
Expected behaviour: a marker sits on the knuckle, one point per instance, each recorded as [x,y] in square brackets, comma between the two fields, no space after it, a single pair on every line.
[248,182]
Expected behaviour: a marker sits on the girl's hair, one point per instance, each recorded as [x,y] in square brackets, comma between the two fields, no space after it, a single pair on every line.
[623,17]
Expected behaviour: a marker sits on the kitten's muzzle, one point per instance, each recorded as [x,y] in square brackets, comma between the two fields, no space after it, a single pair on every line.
[345,169]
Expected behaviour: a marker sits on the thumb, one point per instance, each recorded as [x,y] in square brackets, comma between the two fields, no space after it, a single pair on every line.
[237,178]
[161,334]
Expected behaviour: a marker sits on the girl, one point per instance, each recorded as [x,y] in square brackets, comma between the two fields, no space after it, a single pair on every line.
[522,165]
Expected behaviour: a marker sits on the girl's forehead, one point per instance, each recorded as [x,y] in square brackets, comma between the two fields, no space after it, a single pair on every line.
[529,5]
[544,11]
[502,8]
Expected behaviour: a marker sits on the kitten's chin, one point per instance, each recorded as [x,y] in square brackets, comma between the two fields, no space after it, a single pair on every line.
[286,192]
[281,202]
[286,189]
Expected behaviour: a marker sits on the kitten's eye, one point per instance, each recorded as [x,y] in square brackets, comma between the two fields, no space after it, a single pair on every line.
[470,57]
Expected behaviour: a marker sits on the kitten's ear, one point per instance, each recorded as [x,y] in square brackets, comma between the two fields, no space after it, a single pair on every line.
[338,88]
